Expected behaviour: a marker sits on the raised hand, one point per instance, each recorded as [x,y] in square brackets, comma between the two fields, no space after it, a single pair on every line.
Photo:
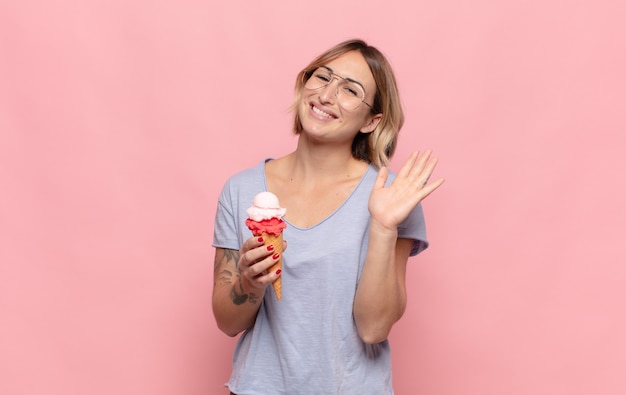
[391,205]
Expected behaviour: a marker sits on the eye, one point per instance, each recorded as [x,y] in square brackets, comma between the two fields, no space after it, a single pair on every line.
[322,77]
[351,91]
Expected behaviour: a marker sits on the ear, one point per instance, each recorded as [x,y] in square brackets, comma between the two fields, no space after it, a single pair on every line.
[371,123]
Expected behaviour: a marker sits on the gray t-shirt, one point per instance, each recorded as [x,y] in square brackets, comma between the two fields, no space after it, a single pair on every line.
[308,343]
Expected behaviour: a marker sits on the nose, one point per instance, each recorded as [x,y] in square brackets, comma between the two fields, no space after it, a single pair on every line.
[328,94]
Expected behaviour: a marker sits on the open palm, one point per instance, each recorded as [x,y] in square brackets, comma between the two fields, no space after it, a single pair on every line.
[391,205]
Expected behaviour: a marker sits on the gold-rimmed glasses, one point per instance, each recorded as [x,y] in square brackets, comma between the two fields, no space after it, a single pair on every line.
[350,93]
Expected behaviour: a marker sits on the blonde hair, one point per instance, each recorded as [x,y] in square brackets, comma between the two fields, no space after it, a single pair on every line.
[378,146]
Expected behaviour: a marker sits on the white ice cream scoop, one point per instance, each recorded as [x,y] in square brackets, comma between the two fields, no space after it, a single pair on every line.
[265,205]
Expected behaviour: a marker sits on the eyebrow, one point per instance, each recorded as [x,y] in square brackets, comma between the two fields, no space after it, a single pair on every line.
[345,78]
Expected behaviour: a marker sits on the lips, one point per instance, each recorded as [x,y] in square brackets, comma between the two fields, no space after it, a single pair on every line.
[316,110]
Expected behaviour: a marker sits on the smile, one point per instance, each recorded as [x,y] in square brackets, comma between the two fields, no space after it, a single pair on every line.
[322,113]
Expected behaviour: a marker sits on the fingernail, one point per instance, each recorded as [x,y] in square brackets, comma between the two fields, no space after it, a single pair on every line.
[260,239]
[270,247]
[278,271]
[275,256]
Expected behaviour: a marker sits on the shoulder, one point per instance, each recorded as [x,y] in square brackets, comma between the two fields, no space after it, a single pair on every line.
[246,182]
[249,173]
[254,175]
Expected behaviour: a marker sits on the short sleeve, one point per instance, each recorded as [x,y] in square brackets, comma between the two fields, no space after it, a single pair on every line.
[225,232]
[414,227]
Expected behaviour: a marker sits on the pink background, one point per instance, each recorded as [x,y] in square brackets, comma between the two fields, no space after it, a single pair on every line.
[120,121]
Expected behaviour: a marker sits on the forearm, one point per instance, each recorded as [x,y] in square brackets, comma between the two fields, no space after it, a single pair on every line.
[235,305]
[381,294]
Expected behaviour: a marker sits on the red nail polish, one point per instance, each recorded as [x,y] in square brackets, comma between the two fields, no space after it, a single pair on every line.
[275,256]
[260,239]
[270,247]
[278,271]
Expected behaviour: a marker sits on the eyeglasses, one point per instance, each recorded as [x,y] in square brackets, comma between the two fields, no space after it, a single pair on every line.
[350,94]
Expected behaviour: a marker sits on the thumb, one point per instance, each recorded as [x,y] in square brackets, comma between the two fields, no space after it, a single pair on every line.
[381,178]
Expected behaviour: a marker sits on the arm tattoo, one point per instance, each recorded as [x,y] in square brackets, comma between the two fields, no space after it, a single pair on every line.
[224,272]
[225,267]
[239,297]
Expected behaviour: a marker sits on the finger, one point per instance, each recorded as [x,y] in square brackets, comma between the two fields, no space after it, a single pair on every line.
[260,268]
[255,270]
[428,169]
[254,255]
[268,278]
[251,243]
[430,188]
[421,163]
[405,170]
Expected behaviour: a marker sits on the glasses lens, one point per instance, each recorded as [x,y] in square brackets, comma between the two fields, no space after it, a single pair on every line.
[318,79]
[350,94]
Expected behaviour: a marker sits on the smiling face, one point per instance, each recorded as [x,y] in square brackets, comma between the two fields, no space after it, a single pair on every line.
[320,112]
[378,141]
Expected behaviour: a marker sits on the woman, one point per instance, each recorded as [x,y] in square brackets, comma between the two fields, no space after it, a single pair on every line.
[352,226]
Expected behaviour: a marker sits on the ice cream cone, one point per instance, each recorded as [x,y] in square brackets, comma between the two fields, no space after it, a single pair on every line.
[265,219]
[277,242]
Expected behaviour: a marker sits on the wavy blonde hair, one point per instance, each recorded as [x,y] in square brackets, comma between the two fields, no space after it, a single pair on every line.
[378,146]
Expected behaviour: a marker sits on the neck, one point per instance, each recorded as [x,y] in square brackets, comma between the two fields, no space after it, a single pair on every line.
[323,163]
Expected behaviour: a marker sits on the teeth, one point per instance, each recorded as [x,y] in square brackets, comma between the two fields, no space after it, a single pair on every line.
[322,113]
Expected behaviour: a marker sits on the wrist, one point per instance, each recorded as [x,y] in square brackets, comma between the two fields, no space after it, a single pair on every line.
[381,230]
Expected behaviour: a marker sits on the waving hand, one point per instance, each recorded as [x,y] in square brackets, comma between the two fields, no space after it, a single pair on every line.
[391,205]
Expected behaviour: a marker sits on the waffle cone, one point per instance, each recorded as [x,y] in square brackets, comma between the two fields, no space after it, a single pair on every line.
[277,242]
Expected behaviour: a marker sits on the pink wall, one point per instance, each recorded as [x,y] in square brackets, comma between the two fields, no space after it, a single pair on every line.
[120,120]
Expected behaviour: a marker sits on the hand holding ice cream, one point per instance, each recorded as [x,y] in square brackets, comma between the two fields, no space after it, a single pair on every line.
[265,219]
